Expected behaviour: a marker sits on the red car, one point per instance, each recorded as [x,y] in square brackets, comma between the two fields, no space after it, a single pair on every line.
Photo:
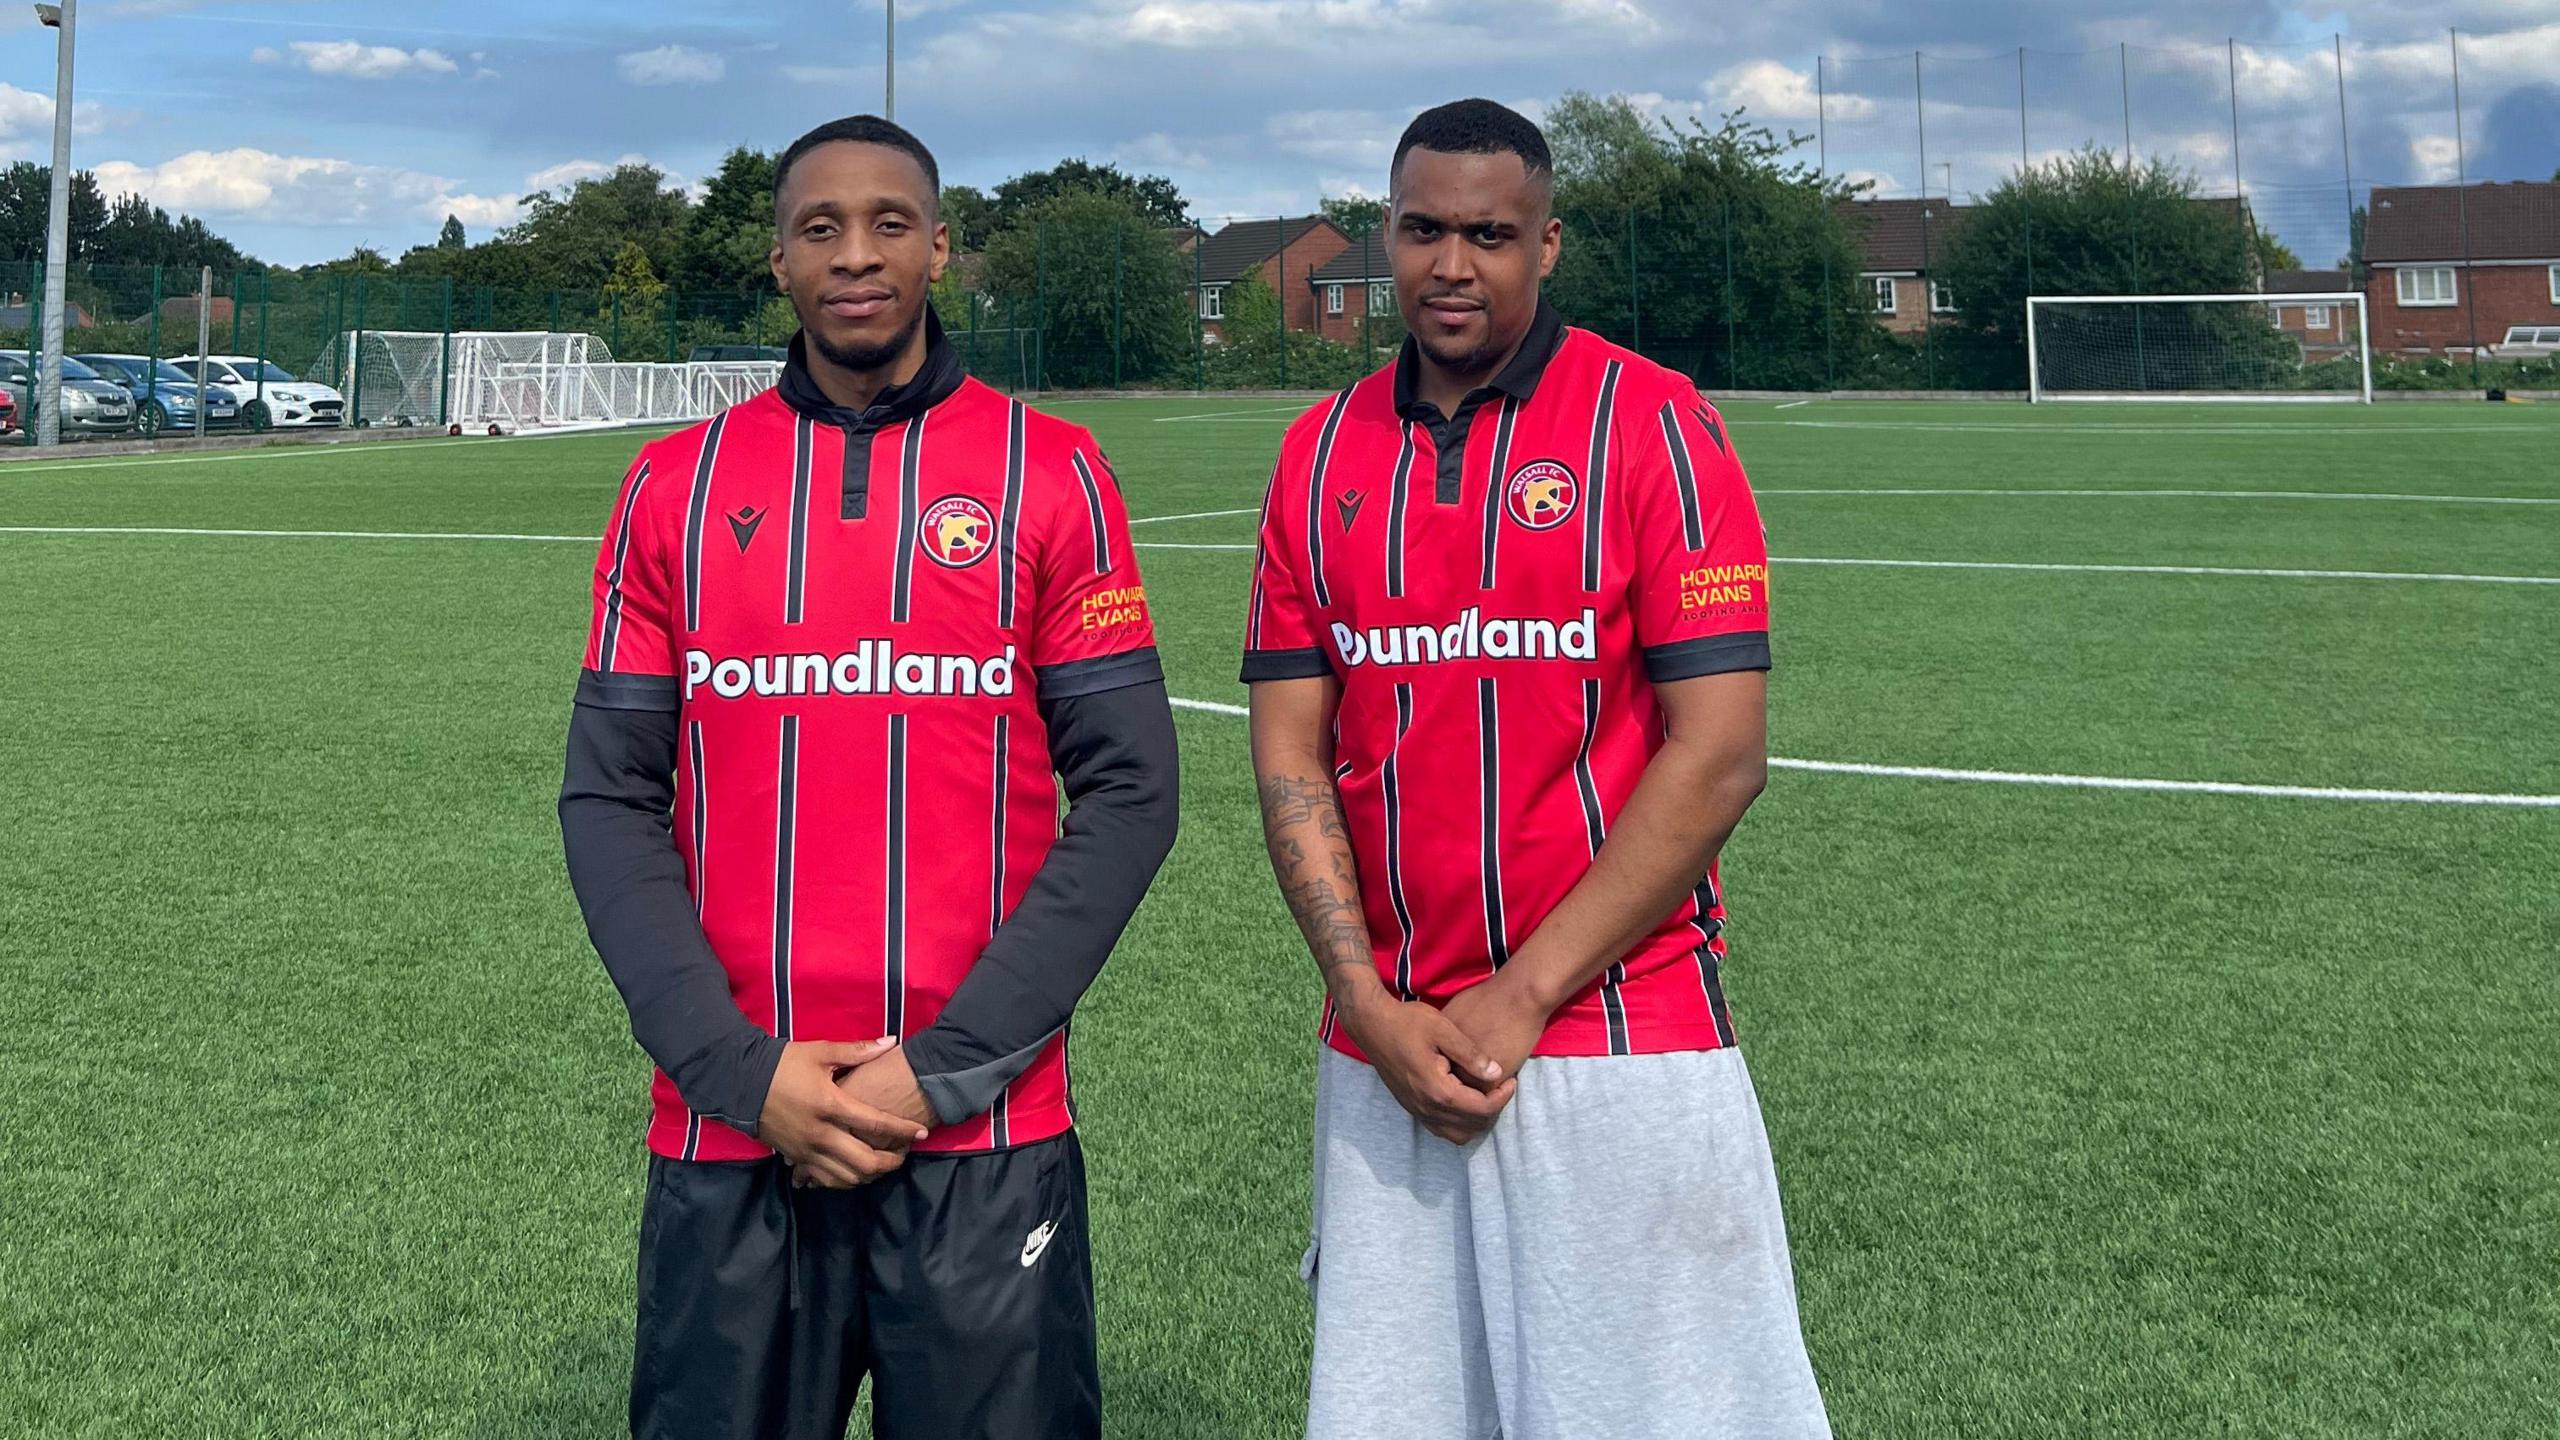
[8,413]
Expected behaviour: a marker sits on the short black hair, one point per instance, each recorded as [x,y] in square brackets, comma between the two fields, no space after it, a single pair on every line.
[861,130]
[1475,127]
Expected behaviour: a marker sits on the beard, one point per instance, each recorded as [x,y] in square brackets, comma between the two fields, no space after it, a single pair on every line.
[1462,359]
[872,356]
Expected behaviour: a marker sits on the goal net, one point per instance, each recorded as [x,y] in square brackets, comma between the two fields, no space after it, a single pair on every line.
[525,380]
[2198,347]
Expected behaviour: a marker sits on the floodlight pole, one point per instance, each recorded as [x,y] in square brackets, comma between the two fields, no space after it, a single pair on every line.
[57,230]
[889,96]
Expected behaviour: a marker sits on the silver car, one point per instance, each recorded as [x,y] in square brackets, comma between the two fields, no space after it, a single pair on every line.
[90,405]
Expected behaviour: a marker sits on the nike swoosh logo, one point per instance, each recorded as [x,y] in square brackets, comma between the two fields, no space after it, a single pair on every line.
[1037,1242]
[743,525]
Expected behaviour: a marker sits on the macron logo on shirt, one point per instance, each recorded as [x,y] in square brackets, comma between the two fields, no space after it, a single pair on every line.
[873,667]
[1469,637]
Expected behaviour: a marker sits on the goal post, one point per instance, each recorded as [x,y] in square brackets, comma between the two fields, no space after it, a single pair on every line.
[2199,347]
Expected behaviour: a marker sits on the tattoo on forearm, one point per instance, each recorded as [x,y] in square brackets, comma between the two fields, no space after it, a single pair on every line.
[1311,856]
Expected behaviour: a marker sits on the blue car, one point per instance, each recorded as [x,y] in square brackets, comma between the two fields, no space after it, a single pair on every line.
[164,396]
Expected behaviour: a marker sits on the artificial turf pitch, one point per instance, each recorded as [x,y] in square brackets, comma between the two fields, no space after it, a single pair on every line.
[2098,1112]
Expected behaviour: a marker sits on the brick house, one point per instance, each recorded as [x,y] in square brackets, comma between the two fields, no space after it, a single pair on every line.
[1282,251]
[1353,286]
[1896,240]
[2323,329]
[2436,289]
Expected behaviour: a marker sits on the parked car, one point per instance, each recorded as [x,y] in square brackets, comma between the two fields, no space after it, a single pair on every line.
[164,397]
[90,406]
[774,353]
[8,414]
[282,400]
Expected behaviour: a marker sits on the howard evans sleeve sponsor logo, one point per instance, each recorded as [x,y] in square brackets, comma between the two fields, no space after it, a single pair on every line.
[1469,637]
[873,667]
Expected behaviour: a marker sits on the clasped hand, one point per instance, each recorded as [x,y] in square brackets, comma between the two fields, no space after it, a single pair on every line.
[843,1114]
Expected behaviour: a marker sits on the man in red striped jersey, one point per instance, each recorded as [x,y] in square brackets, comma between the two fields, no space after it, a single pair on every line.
[1508,639]
[844,633]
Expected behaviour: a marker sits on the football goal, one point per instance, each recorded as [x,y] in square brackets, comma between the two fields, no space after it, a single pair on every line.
[2198,347]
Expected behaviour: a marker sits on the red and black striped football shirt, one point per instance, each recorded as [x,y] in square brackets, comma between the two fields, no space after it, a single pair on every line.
[861,625]
[1499,592]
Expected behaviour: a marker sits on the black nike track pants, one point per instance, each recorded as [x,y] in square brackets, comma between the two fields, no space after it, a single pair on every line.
[961,1284]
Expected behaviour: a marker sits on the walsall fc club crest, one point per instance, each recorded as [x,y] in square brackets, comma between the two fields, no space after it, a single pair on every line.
[957,531]
[1542,494]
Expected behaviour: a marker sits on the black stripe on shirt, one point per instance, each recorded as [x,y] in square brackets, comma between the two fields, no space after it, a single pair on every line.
[1009,527]
[785,828]
[1493,487]
[893,948]
[1595,482]
[1707,655]
[1595,830]
[1093,509]
[694,513]
[1315,500]
[1489,795]
[701,808]
[1692,529]
[1393,793]
[910,461]
[1000,1119]
[803,442]
[613,578]
[1395,514]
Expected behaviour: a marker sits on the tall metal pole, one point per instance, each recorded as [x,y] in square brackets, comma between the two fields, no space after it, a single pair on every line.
[2346,161]
[57,240]
[2239,194]
[1821,121]
[2462,202]
[889,94]
[2025,165]
[204,339]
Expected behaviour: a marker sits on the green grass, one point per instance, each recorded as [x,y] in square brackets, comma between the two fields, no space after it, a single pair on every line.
[2098,1113]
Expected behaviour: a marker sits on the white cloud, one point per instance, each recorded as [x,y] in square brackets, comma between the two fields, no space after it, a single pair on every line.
[358,61]
[1360,139]
[490,211]
[565,174]
[296,189]
[671,65]
[266,55]
[1158,151]
[829,74]
[30,112]
[2435,157]
[1772,91]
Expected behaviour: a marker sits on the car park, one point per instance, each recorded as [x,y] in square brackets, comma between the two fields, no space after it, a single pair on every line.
[90,405]
[164,397]
[268,394]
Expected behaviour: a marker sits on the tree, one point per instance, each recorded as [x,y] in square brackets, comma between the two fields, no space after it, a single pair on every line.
[2088,224]
[630,316]
[2272,254]
[451,236]
[1153,196]
[572,239]
[2357,270]
[728,235]
[971,216]
[1098,274]
[1355,215]
[26,197]
[1709,247]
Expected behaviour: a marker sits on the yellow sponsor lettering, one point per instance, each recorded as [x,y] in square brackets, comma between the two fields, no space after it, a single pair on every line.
[1113,608]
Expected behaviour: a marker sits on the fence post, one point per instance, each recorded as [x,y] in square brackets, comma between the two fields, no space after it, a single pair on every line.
[1635,290]
[1040,310]
[1116,231]
[355,358]
[153,347]
[233,339]
[1732,342]
[204,337]
[1281,262]
[444,360]
[259,399]
[614,327]
[2026,179]
[1199,330]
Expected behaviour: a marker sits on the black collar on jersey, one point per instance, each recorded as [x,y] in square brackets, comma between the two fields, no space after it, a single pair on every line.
[928,387]
[1518,379]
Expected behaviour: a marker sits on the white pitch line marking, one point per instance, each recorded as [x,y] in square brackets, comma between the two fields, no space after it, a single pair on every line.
[2097,782]
[1193,515]
[1790,405]
[1291,410]
[2000,492]
[341,449]
[2225,570]
[2062,427]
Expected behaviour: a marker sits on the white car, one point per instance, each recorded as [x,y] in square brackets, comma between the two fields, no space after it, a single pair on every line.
[287,401]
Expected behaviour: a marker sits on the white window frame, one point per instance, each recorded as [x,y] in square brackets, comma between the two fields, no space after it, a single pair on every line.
[1333,299]
[1942,300]
[2315,317]
[2555,284]
[2407,295]
[1382,297]
[1884,292]
[1213,302]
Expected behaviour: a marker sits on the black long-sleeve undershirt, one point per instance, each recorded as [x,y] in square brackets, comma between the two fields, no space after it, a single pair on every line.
[1115,755]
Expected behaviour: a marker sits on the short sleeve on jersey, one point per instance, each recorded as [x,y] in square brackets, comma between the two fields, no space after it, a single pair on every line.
[631,647]
[1702,560]
[1281,637]
[1091,629]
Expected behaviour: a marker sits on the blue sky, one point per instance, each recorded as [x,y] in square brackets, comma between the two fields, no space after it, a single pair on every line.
[302,128]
